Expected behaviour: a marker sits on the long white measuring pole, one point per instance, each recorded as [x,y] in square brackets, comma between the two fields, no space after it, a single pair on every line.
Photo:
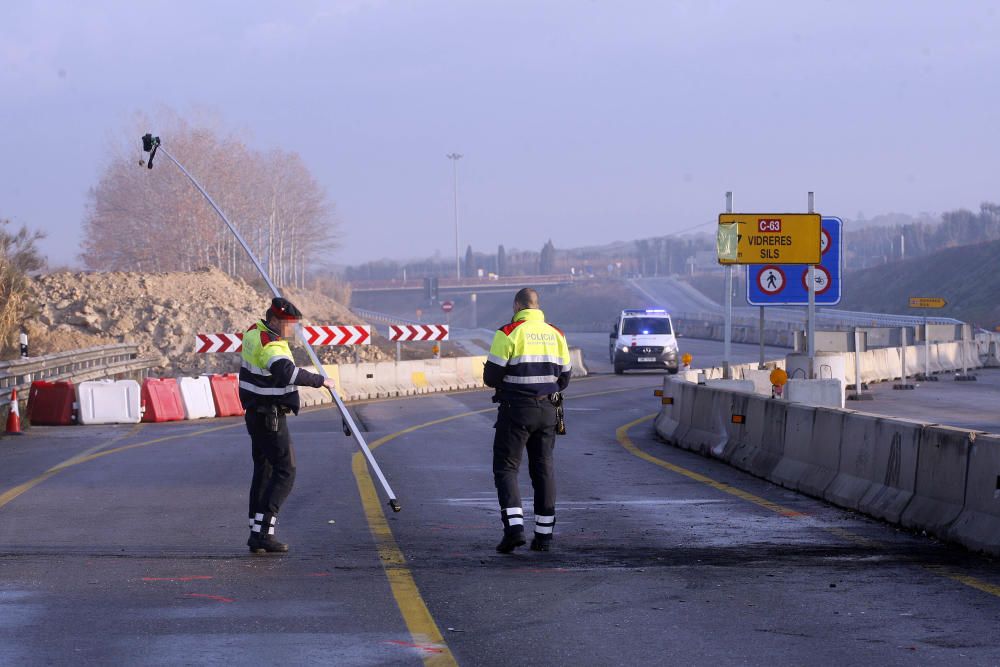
[155,145]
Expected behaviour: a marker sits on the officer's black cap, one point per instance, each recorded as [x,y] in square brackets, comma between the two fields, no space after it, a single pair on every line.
[283,309]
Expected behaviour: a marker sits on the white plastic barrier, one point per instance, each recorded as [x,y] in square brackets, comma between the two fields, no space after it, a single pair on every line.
[819,393]
[196,394]
[109,402]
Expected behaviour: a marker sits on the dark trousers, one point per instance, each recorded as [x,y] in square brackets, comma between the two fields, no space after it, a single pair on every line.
[520,426]
[273,464]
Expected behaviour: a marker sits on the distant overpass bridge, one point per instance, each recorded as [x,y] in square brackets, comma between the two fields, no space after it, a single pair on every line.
[465,284]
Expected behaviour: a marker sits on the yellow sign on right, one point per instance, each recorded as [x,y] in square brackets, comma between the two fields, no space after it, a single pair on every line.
[769,238]
[927,302]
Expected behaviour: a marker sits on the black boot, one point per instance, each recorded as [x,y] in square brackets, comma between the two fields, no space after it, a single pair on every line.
[262,536]
[541,542]
[512,539]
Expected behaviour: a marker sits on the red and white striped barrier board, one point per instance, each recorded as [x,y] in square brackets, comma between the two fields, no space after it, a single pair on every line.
[319,335]
[339,335]
[404,332]
[218,342]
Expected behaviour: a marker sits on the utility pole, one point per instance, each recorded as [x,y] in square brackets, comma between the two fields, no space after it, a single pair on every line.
[455,157]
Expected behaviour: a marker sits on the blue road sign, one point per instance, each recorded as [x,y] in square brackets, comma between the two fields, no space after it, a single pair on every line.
[787,284]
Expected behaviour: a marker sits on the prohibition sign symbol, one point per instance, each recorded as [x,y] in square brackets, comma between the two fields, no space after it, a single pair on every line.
[823,281]
[824,241]
[771,279]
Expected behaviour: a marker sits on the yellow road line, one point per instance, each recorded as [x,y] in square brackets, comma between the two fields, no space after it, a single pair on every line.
[626,442]
[622,434]
[416,615]
[86,456]
[411,604]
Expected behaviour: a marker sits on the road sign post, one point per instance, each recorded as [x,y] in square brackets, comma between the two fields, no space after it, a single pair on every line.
[728,336]
[926,302]
[811,311]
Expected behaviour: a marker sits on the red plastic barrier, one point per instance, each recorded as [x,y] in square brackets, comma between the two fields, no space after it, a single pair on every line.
[51,403]
[226,395]
[162,400]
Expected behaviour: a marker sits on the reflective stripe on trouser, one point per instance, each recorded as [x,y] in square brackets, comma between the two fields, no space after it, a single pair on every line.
[544,524]
[520,427]
[273,464]
[263,523]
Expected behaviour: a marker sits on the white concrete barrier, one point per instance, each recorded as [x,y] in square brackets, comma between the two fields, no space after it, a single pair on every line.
[196,394]
[758,445]
[666,423]
[939,493]
[922,476]
[978,525]
[576,358]
[878,465]
[811,457]
[109,402]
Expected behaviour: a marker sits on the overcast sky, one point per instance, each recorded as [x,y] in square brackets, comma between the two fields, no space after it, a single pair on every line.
[586,122]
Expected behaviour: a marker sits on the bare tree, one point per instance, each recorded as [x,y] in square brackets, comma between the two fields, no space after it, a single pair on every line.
[145,220]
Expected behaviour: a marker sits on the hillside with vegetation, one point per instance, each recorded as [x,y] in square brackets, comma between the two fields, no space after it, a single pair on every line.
[968,277]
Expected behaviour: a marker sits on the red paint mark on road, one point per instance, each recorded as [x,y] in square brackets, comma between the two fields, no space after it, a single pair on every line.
[197,577]
[217,598]
[318,574]
[791,514]
[427,648]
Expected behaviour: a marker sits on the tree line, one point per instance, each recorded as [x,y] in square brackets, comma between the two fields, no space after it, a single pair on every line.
[139,219]
[664,255]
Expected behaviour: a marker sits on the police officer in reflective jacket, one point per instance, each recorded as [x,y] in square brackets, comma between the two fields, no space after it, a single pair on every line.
[528,365]
[269,382]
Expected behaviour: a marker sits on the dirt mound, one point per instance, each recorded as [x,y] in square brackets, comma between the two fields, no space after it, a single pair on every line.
[162,313]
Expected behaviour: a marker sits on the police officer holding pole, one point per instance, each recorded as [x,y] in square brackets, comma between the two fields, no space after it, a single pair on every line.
[269,381]
[528,366]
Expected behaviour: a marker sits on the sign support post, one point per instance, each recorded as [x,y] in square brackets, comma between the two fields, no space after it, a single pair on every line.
[760,326]
[811,310]
[927,349]
[727,345]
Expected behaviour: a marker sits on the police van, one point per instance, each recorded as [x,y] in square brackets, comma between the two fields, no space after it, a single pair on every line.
[644,339]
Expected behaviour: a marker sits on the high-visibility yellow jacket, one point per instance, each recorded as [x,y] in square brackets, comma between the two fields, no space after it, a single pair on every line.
[268,374]
[529,357]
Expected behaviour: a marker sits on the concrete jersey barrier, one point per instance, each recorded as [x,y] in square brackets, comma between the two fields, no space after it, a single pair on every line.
[929,477]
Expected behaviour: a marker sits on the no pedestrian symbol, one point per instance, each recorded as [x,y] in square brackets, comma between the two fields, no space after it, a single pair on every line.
[770,279]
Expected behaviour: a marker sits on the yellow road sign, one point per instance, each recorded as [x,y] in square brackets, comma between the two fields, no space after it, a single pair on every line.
[769,238]
[927,302]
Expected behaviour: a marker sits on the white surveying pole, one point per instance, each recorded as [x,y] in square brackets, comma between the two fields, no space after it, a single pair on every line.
[154,146]
[811,311]
[728,335]
[455,157]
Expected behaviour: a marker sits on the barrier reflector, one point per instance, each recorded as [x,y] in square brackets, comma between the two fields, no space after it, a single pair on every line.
[109,402]
[51,403]
[196,394]
[226,395]
[162,398]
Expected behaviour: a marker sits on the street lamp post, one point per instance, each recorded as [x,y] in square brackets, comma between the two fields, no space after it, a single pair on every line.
[455,157]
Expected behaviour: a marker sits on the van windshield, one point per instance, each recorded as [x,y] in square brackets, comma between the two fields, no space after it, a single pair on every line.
[634,326]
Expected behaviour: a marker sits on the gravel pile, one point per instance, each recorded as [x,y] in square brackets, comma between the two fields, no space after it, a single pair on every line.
[162,312]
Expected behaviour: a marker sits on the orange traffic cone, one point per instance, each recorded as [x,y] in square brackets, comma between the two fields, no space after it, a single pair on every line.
[14,416]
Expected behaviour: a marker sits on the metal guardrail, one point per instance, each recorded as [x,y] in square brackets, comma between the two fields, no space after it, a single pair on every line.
[384,318]
[91,363]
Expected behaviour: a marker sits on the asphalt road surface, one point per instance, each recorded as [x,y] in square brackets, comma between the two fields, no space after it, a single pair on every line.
[125,545]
